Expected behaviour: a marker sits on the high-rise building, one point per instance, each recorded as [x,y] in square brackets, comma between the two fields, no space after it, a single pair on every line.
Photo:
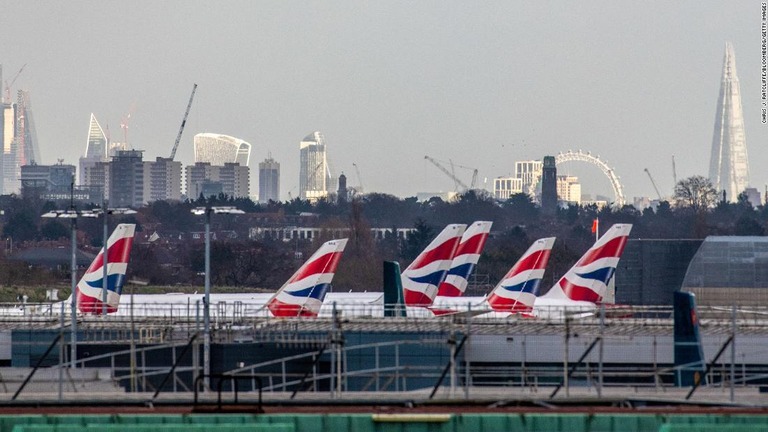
[217,149]
[126,179]
[95,149]
[529,172]
[8,133]
[729,164]
[162,180]
[549,185]
[505,187]
[19,141]
[315,179]
[234,179]
[95,177]
[569,189]
[269,180]
[44,181]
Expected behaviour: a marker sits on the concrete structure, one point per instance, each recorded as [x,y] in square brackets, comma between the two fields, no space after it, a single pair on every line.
[162,180]
[126,179]
[729,163]
[41,181]
[315,179]
[549,185]
[202,177]
[269,180]
[529,172]
[569,189]
[342,194]
[505,187]
[217,149]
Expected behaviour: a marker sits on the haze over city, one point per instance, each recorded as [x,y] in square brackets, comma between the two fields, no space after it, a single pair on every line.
[387,83]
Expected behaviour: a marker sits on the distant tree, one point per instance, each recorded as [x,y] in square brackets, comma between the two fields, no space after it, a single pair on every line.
[417,240]
[695,192]
[521,208]
[21,227]
[748,226]
[54,230]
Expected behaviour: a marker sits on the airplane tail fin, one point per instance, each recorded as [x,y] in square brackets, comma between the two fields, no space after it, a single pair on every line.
[393,290]
[303,293]
[466,258]
[517,291]
[89,289]
[425,274]
[689,355]
[588,279]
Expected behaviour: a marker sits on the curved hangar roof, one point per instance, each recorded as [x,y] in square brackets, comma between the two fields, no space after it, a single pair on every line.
[728,270]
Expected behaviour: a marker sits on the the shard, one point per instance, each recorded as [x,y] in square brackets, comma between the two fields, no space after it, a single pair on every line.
[729,165]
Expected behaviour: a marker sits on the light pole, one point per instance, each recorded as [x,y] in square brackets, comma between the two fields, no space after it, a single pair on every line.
[72,215]
[206,211]
[104,211]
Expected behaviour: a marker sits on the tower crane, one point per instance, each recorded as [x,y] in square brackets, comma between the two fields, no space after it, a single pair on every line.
[8,86]
[473,183]
[183,122]
[457,182]
[674,171]
[359,178]
[653,183]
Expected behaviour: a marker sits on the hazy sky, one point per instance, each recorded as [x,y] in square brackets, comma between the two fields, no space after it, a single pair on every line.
[387,82]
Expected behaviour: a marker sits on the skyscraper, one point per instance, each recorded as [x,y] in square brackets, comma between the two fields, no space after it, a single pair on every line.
[314,174]
[95,150]
[218,149]
[729,165]
[19,141]
[269,180]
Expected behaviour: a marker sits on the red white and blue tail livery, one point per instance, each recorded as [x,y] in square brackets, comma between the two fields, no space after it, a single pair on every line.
[517,291]
[90,287]
[587,280]
[425,274]
[303,294]
[466,258]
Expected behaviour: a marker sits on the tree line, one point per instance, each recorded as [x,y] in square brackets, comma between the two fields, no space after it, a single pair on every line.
[694,212]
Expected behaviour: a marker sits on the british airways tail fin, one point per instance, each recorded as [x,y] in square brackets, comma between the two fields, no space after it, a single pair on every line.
[90,287]
[517,291]
[425,274]
[303,293]
[465,259]
[689,355]
[588,279]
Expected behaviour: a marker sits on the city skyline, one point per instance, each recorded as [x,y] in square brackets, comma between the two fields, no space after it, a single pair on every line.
[482,85]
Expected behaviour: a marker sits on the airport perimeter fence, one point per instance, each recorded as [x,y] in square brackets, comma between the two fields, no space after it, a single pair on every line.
[456,354]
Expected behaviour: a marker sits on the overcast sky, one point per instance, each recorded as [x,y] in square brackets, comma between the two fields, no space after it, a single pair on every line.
[387,82]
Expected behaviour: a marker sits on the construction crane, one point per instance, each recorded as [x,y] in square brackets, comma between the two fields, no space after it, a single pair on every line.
[359,178]
[7,98]
[183,122]
[653,183]
[473,183]
[674,171]
[456,181]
